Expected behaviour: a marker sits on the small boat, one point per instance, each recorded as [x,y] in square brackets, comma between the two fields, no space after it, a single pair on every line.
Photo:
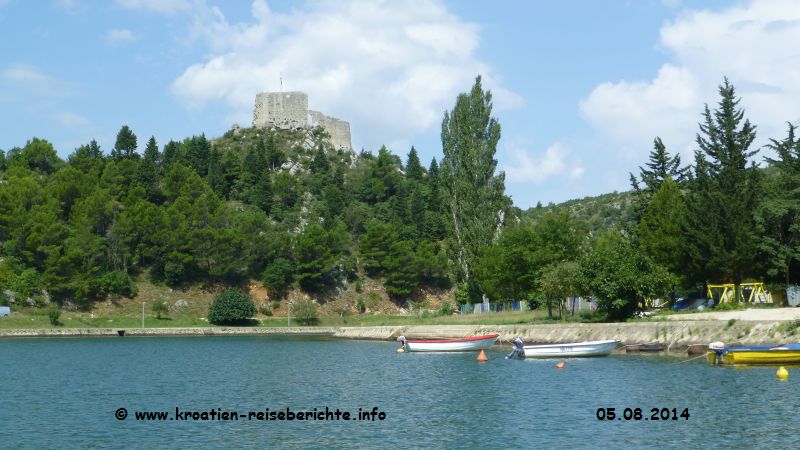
[467,344]
[570,350]
[655,347]
[719,353]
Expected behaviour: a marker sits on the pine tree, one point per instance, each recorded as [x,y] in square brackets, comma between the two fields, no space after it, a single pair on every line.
[275,156]
[434,215]
[376,245]
[724,194]
[215,176]
[172,155]
[256,189]
[197,151]
[401,279]
[660,167]
[414,170]
[778,217]
[149,169]
[125,146]
[661,227]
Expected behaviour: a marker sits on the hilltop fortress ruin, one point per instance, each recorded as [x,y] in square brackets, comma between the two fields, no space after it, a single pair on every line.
[289,110]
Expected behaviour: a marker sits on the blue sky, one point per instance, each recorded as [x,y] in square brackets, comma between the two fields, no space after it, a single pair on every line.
[581,88]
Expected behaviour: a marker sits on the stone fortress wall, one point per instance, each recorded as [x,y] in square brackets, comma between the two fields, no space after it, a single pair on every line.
[285,110]
[337,128]
[289,110]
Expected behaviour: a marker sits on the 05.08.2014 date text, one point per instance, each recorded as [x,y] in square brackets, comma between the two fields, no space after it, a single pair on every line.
[641,414]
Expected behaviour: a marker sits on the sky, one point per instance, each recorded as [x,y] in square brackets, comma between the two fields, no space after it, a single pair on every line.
[581,88]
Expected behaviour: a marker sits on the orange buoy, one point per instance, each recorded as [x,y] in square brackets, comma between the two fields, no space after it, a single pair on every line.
[482,357]
[560,365]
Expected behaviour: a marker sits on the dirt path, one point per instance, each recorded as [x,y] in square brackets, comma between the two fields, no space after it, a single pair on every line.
[747,314]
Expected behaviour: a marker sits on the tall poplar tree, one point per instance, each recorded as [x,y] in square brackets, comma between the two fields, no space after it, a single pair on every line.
[472,192]
[723,195]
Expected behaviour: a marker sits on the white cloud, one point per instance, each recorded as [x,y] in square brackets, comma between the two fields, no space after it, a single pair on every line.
[120,36]
[33,81]
[157,6]
[72,7]
[389,68]
[556,161]
[747,43]
[69,119]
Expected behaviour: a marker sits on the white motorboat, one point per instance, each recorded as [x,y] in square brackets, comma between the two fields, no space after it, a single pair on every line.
[569,350]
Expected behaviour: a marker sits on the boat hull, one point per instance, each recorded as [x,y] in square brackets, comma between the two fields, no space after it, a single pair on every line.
[571,350]
[754,355]
[469,344]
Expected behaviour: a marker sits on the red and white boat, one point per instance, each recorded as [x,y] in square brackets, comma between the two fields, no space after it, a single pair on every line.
[467,344]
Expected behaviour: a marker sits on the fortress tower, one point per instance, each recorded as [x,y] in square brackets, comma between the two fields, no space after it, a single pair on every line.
[289,110]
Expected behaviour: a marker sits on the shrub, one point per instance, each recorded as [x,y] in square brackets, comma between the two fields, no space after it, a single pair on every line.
[462,294]
[277,277]
[160,308]
[350,268]
[116,284]
[731,306]
[373,299]
[305,311]
[54,315]
[265,311]
[446,309]
[789,328]
[232,306]
[359,286]
[276,304]
[361,306]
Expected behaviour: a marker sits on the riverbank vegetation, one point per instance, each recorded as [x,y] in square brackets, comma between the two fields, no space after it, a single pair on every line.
[284,212]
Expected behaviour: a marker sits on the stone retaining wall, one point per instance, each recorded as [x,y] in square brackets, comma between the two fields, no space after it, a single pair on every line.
[674,334]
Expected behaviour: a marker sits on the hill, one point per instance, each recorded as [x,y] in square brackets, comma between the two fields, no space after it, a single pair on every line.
[605,211]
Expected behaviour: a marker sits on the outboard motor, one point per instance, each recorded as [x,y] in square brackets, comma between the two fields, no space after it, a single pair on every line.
[719,350]
[519,349]
[402,341]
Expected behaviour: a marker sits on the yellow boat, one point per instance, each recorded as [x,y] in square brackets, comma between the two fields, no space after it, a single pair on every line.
[718,353]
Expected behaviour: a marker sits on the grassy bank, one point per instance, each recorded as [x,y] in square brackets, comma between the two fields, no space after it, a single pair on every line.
[32,318]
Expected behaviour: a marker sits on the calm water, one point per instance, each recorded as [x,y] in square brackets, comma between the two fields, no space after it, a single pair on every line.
[63,393]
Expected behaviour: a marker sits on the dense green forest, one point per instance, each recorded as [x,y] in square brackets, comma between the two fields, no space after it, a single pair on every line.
[285,208]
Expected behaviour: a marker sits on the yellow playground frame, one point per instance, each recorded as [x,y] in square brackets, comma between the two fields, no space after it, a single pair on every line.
[757,292]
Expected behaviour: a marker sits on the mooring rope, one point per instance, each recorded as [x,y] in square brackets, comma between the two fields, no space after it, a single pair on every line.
[692,359]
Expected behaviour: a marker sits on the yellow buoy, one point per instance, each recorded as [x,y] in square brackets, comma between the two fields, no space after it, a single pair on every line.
[560,365]
[782,373]
[482,357]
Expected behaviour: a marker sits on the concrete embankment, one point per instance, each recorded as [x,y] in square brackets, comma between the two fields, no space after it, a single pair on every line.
[205,331]
[675,335]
